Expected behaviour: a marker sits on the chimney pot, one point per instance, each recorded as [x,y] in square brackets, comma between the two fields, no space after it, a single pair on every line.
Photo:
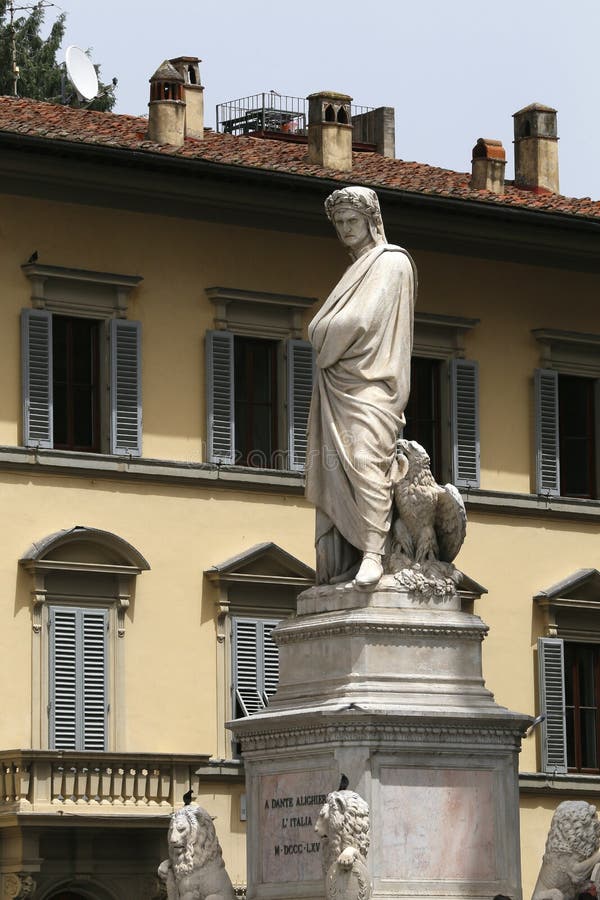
[488,162]
[536,148]
[166,110]
[193,94]
[330,130]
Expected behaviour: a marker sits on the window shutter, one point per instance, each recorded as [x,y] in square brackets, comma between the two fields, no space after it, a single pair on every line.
[220,397]
[300,359]
[78,672]
[63,679]
[94,632]
[547,466]
[245,665]
[552,703]
[36,354]
[270,659]
[464,384]
[255,663]
[125,388]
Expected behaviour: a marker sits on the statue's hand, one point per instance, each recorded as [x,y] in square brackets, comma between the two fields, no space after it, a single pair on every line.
[347,857]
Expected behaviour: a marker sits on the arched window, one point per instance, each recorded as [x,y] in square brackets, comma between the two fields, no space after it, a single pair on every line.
[83,582]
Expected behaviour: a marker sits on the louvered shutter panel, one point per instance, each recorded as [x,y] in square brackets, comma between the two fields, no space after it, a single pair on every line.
[464,383]
[220,397]
[300,358]
[270,662]
[552,703]
[125,388]
[94,701]
[36,355]
[245,665]
[63,679]
[547,466]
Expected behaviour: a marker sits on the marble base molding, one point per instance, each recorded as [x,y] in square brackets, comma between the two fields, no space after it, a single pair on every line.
[390,693]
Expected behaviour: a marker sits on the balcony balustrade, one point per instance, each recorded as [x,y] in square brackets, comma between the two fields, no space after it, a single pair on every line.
[45,781]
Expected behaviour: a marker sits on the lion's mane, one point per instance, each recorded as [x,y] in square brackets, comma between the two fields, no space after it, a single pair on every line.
[347,817]
[575,829]
[202,845]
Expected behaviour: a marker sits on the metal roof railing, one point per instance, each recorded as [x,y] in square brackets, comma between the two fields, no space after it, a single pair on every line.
[270,112]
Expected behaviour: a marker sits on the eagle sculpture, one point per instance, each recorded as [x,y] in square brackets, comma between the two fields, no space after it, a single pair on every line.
[431,521]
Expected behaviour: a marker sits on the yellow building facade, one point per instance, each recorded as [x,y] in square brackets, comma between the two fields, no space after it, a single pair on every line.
[132,564]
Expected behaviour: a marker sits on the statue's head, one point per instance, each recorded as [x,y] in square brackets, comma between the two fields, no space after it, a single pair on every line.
[343,822]
[192,839]
[575,829]
[356,216]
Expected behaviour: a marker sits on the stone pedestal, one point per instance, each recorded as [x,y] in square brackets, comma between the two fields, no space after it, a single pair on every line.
[386,687]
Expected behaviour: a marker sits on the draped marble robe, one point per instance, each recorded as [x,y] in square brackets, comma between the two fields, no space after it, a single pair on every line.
[362,337]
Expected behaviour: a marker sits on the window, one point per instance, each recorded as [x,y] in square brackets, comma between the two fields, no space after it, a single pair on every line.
[256,413]
[582,671]
[570,683]
[255,665]
[83,579]
[259,375]
[78,701]
[567,398]
[443,408]
[423,412]
[81,362]
[75,380]
[569,674]
[255,590]
[577,437]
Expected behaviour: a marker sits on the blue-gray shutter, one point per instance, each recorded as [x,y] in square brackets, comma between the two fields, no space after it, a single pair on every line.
[95,700]
[78,705]
[300,365]
[220,397]
[552,702]
[36,356]
[125,387]
[63,679]
[255,663]
[547,450]
[464,408]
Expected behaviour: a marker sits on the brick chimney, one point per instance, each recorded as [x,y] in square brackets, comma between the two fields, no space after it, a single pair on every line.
[488,162]
[193,94]
[536,148]
[166,110]
[330,130]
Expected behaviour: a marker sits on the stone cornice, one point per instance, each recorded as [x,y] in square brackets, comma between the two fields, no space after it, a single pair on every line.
[301,632]
[377,734]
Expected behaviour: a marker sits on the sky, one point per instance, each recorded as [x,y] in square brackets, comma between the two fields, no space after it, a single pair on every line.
[454,71]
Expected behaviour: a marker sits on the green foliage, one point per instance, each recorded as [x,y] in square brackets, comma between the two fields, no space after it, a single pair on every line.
[40,74]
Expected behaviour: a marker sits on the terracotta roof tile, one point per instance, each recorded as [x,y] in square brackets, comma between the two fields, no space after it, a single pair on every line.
[60,123]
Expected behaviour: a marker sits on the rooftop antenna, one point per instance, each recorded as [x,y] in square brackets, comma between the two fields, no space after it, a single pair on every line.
[82,74]
[43,4]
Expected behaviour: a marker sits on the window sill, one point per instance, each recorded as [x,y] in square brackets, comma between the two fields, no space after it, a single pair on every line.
[544,783]
[100,465]
[97,465]
[531,505]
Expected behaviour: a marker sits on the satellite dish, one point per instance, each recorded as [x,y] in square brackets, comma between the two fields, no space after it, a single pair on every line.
[81,72]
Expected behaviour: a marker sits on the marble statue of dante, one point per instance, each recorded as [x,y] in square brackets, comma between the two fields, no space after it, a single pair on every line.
[362,337]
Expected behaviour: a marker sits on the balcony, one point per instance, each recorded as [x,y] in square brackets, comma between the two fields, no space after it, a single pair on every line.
[54,781]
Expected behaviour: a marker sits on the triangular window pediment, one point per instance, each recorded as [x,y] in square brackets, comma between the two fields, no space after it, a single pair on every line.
[264,563]
[579,590]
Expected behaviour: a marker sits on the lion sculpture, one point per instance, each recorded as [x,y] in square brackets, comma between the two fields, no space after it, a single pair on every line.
[571,851]
[195,869]
[343,826]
